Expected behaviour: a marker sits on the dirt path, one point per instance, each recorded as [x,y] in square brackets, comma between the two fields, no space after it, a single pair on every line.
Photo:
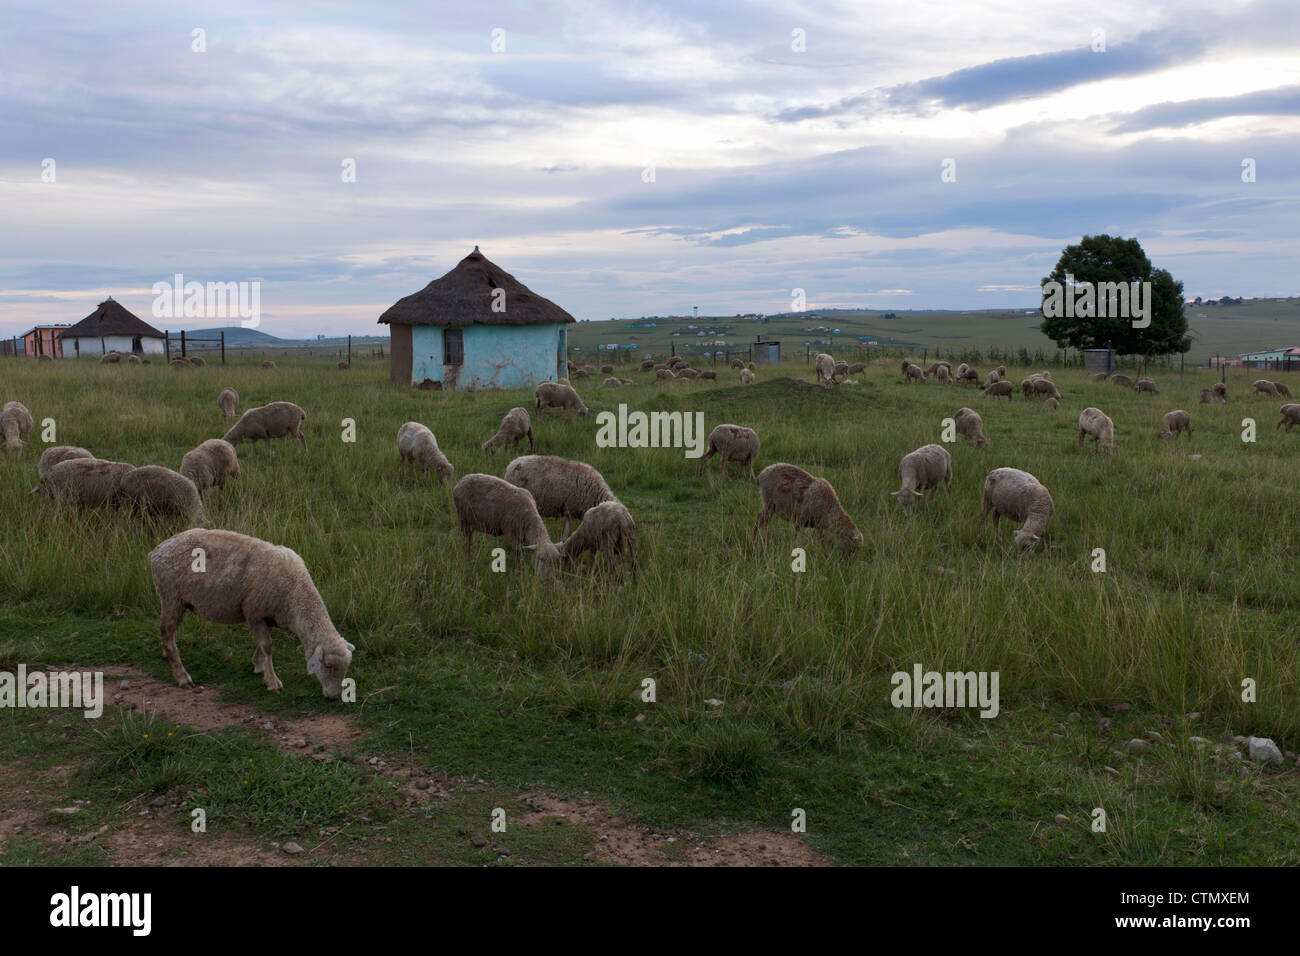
[156,838]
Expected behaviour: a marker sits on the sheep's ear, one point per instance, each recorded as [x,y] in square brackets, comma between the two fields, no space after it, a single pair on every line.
[895,493]
[350,646]
[314,661]
[530,547]
[919,493]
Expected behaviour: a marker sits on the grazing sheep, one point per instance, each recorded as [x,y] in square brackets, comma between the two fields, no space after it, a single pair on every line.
[1018,495]
[579,373]
[1043,374]
[1267,388]
[607,369]
[197,361]
[970,375]
[609,529]
[1123,381]
[1052,403]
[902,368]
[971,426]
[416,443]
[825,366]
[666,375]
[746,377]
[857,367]
[1221,389]
[1290,416]
[52,456]
[933,368]
[790,492]
[211,464]
[266,422]
[737,363]
[922,470]
[1100,377]
[158,492]
[177,363]
[15,423]
[611,382]
[1044,386]
[707,373]
[1000,388]
[1175,423]
[841,370]
[84,482]
[1147,385]
[268,364]
[514,428]
[251,581]
[488,505]
[1002,371]
[647,364]
[130,360]
[687,372]
[228,402]
[676,360]
[1282,390]
[750,365]
[961,371]
[733,443]
[991,378]
[110,358]
[562,397]
[913,373]
[942,374]
[1095,422]
[562,488]
[1211,397]
[1027,387]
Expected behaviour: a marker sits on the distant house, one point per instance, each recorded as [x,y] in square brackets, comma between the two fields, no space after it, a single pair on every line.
[43,340]
[476,327]
[111,327]
[1286,359]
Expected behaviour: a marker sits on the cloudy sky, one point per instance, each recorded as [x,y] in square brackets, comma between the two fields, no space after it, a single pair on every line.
[628,158]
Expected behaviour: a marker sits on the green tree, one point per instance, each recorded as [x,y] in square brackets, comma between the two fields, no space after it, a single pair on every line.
[1103,259]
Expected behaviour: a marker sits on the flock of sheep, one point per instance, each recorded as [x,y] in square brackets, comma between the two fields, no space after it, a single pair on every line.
[227,577]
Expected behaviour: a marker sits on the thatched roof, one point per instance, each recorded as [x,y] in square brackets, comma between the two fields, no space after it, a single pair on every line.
[464,296]
[111,318]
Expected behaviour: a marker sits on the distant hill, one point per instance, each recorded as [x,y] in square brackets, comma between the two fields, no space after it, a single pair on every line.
[239,337]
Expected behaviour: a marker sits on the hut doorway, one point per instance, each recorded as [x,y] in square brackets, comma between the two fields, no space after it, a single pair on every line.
[136,346]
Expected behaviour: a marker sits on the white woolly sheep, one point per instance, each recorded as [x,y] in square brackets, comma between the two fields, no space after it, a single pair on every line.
[790,492]
[562,488]
[84,482]
[746,377]
[1282,390]
[1221,388]
[841,370]
[991,378]
[913,373]
[921,471]
[933,368]
[825,366]
[667,375]
[687,372]
[1019,496]
[998,389]
[158,492]
[1002,371]
[246,580]
[488,505]
[210,464]
[15,423]
[415,442]
[515,427]
[1052,404]
[707,373]
[1147,385]
[943,374]
[562,397]
[733,443]
[228,402]
[1095,422]
[1175,423]
[1210,397]
[268,364]
[1290,416]
[110,358]
[1100,377]
[857,367]
[611,382]
[970,375]
[961,371]
[1266,387]
[1123,381]
[970,426]
[1044,386]
[609,529]
[266,422]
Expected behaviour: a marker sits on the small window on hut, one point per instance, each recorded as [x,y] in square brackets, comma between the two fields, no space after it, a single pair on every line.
[453,347]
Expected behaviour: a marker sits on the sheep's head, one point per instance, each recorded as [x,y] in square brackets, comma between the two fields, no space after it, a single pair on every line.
[849,536]
[446,471]
[906,497]
[329,662]
[1026,541]
[544,556]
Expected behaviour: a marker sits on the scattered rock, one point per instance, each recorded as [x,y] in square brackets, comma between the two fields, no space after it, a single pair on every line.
[269,725]
[1200,742]
[1138,746]
[639,718]
[1062,819]
[1153,735]
[477,840]
[421,785]
[159,801]
[1119,707]
[1264,750]
[1194,715]
[713,702]
[1104,724]
[126,682]
[1112,771]
[291,848]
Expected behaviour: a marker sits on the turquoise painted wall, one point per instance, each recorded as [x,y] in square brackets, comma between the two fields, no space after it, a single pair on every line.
[496,356]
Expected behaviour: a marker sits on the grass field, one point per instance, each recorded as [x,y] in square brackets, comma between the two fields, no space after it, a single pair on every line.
[1228,330]
[508,685]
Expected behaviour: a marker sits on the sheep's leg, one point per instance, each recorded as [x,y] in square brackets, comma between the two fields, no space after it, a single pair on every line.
[171,619]
[1081,434]
[262,656]
[467,537]
[566,527]
[707,455]
[530,440]
[979,533]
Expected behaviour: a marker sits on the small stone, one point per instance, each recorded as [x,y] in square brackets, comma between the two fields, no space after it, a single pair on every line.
[1154,735]
[1194,715]
[1062,819]
[477,840]
[269,725]
[66,810]
[1119,707]
[1264,750]
[1057,736]
[1238,739]
[421,785]
[1138,746]
[126,682]
[1112,771]
[291,848]
[713,702]
[591,855]
[158,802]
[639,718]
[374,761]
[1104,724]
[1200,742]
[300,743]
